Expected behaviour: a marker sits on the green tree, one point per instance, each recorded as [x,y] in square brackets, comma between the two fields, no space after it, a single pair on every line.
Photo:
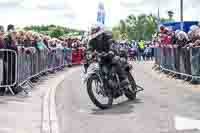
[116,33]
[137,27]
[57,32]
[53,30]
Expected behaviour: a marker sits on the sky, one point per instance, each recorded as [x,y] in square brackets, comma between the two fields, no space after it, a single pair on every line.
[81,14]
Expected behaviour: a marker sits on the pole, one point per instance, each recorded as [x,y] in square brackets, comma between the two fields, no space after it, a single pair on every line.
[158,19]
[181,8]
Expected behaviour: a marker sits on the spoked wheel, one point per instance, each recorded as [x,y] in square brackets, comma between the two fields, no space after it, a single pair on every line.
[97,94]
[131,92]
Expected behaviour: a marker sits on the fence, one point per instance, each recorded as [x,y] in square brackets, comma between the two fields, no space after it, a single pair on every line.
[8,68]
[181,61]
[77,56]
[18,68]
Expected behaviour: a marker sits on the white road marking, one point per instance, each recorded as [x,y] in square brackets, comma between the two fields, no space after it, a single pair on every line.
[184,123]
[5,129]
[85,111]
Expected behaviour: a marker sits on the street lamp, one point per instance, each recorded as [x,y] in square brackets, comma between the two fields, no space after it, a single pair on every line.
[170,15]
[181,8]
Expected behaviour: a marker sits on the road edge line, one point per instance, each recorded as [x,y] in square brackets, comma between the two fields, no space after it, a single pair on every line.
[49,116]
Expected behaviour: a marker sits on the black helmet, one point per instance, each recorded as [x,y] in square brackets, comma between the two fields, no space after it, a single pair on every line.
[97,31]
[108,35]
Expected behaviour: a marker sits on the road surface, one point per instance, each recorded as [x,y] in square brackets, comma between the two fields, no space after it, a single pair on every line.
[165,106]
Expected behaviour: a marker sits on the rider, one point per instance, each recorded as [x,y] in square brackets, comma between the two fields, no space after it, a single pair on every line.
[101,42]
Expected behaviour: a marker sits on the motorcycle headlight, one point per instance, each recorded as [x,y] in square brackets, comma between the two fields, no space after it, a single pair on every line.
[89,56]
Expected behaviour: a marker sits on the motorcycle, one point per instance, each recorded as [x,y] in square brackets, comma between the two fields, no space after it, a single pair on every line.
[104,82]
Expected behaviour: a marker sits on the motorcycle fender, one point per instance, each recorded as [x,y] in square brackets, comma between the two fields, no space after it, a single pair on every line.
[88,75]
[92,69]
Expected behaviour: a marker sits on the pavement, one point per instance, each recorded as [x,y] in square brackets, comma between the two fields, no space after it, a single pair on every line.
[59,103]
[34,113]
[165,106]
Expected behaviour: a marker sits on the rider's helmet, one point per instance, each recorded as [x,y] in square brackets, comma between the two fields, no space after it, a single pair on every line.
[95,31]
[98,30]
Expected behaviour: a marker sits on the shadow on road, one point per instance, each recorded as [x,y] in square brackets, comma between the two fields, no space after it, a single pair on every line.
[125,107]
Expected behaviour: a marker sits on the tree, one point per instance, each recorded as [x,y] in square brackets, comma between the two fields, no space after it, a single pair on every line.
[136,27]
[57,33]
[116,32]
[123,29]
[53,30]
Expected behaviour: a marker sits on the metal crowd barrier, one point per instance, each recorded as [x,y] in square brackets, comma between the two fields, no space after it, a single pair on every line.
[8,69]
[68,56]
[77,56]
[181,61]
[18,68]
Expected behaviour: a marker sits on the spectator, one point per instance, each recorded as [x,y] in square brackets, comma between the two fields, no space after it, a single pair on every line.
[147,52]
[173,38]
[9,59]
[10,28]
[133,52]
[46,41]
[2,43]
[140,49]
[182,38]
[11,38]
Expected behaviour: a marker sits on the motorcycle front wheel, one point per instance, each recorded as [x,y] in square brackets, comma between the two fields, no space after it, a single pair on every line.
[131,92]
[91,92]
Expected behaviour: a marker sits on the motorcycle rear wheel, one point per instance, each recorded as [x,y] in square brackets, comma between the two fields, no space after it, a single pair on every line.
[92,96]
[131,92]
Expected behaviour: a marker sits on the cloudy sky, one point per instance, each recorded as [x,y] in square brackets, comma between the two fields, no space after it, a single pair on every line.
[82,13]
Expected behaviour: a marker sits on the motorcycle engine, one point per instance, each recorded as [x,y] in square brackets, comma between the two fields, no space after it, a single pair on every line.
[112,84]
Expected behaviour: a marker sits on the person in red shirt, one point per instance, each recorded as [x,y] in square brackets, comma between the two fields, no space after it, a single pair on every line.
[165,37]
[162,29]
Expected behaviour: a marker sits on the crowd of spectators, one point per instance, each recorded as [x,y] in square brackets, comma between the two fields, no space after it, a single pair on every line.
[32,43]
[178,51]
[11,39]
[136,50]
[167,36]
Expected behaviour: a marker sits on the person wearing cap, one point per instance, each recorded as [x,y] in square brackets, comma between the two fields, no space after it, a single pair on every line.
[10,28]
[100,41]
[11,38]
[10,43]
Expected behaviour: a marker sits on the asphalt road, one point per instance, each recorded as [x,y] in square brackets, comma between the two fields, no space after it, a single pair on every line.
[164,106]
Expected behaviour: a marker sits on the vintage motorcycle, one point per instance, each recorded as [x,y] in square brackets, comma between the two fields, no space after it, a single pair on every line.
[103,81]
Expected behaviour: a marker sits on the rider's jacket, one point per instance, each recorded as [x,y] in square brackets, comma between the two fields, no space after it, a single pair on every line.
[102,43]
